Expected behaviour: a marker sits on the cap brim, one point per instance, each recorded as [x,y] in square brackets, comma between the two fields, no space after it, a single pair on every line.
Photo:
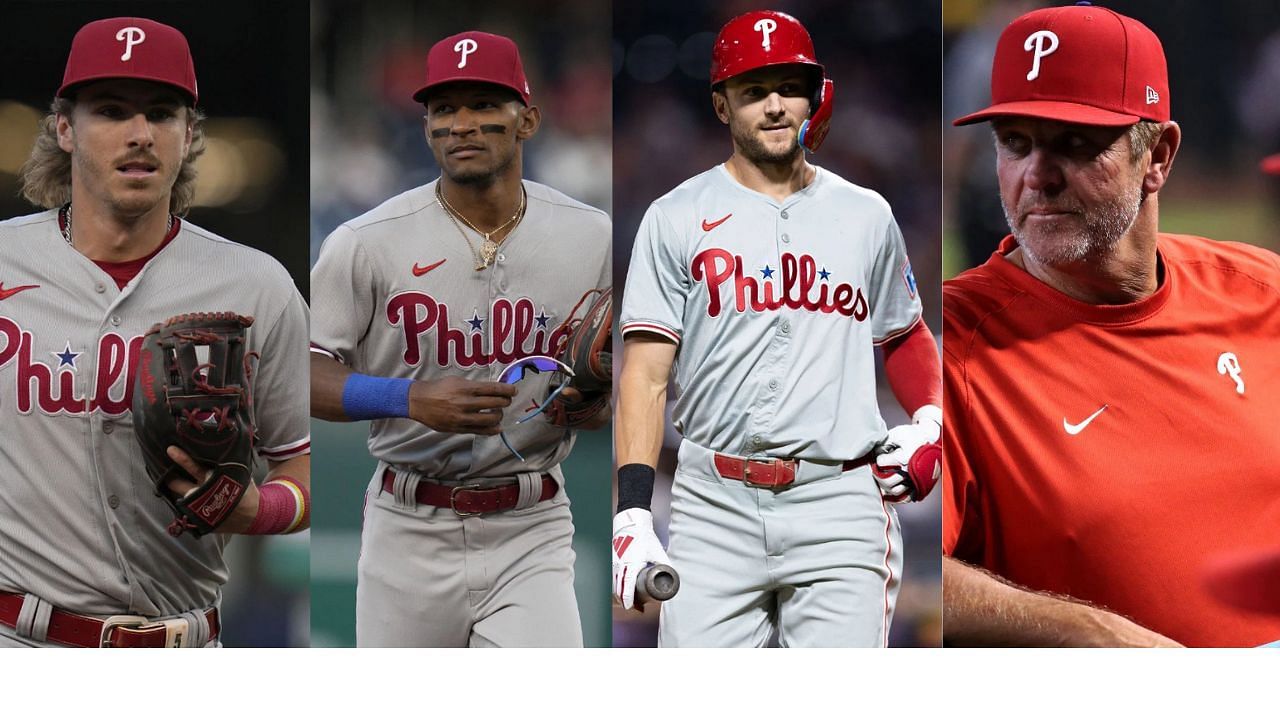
[1051,110]
[1271,165]
[421,95]
[71,88]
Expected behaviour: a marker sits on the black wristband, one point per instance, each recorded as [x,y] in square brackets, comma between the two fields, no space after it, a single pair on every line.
[635,486]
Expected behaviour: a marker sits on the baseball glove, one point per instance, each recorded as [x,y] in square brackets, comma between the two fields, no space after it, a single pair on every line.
[586,346]
[192,390]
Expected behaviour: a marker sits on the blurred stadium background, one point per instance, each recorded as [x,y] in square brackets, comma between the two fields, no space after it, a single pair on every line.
[884,57]
[1224,81]
[249,58]
[367,144]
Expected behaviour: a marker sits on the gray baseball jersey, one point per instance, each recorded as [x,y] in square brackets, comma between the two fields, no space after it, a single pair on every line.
[80,525]
[396,294]
[776,307]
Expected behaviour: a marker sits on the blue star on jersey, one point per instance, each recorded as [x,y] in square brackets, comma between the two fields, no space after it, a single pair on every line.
[542,318]
[824,274]
[66,357]
[476,322]
[767,272]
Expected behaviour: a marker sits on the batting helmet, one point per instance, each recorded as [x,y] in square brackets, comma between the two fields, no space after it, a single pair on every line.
[763,38]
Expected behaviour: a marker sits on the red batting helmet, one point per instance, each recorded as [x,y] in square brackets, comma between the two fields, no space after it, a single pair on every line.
[763,38]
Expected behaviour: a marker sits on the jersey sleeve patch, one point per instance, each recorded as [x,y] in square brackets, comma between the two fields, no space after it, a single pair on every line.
[909,279]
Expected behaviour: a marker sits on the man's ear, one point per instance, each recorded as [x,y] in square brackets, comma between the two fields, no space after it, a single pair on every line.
[1163,153]
[66,133]
[720,103]
[528,122]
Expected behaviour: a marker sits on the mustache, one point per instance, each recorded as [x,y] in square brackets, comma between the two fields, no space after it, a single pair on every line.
[486,129]
[1026,204]
[140,157]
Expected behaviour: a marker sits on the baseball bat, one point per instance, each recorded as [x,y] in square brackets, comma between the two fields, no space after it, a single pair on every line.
[657,582]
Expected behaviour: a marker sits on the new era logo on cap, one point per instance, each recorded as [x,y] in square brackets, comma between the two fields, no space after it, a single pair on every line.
[1079,64]
[134,48]
[478,57]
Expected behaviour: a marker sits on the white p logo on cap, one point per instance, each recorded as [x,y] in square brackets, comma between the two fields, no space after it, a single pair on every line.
[130,36]
[1044,42]
[466,46]
[765,26]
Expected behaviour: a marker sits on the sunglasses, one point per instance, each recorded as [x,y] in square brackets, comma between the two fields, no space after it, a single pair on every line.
[536,365]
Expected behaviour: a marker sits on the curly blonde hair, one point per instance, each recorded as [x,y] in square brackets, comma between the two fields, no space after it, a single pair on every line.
[46,175]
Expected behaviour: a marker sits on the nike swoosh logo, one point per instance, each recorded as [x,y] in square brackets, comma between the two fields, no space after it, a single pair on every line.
[420,271]
[1075,429]
[6,294]
[709,226]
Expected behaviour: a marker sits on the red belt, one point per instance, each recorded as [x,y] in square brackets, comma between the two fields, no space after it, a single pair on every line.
[771,473]
[129,631]
[467,500]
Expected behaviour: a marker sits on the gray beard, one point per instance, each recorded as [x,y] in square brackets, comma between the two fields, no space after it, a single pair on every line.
[1102,232]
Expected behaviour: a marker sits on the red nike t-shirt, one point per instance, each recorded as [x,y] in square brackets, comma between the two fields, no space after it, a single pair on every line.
[1115,453]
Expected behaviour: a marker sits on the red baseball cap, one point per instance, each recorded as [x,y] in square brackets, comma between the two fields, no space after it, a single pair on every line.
[1271,164]
[1078,64]
[476,56]
[129,47]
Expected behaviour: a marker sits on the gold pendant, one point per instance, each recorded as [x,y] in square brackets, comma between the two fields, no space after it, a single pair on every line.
[488,252]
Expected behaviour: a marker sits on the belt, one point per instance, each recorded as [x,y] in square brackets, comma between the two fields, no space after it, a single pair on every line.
[468,500]
[772,472]
[128,631]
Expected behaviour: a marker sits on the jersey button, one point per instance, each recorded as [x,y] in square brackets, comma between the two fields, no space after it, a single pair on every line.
[786,326]
[786,238]
[502,258]
[773,384]
[115,319]
[108,427]
[755,439]
[100,288]
[114,501]
[785,215]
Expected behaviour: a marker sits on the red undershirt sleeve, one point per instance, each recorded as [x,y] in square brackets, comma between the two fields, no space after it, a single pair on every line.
[914,369]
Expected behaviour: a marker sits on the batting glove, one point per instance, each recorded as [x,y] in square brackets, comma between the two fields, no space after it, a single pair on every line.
[634,547]
[909,461]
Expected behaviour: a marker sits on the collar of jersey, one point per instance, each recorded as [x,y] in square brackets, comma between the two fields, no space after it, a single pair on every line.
[1085,312]
[791,199]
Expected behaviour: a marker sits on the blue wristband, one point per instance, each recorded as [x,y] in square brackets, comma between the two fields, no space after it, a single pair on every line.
[373,398]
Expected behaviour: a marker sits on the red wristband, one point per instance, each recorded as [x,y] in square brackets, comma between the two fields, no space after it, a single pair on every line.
[284,506]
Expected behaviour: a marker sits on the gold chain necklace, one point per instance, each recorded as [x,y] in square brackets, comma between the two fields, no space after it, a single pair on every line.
[66,227]
[488,250]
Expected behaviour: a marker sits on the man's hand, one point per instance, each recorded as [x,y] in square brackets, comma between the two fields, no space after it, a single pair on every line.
[909,461]
[634,546]
[240,518]
[454,405]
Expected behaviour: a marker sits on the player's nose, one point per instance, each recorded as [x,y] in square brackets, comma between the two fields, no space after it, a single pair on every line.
[140,131]
[464,121]
[773,105]
[1042,171]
